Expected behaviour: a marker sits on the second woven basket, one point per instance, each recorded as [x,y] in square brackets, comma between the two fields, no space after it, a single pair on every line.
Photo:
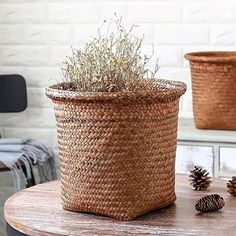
[117,150]
[214,89]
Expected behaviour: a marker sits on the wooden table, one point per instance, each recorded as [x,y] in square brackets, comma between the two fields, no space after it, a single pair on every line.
[38,211]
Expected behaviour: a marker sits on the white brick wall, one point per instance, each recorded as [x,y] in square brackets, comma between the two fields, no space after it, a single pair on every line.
[36,35]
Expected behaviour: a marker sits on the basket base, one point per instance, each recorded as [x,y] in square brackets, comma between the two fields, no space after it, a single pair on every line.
[214,126]
[125,216]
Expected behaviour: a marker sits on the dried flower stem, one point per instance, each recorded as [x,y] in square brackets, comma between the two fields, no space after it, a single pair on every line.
[109,63]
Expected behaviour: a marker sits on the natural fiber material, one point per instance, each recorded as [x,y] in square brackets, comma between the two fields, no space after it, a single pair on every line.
[231,185]
[214,89]
[117,150]
[199,178]
[213,202]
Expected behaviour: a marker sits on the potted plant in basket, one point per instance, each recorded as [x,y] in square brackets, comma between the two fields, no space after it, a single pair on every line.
[116,127]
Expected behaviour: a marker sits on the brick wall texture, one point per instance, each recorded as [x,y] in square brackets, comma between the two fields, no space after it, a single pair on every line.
[36,35]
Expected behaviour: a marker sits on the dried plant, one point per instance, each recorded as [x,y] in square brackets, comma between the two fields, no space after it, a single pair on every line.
[109,63]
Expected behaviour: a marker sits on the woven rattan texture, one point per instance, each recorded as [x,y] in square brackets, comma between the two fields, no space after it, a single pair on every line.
[117,158]
[214,91]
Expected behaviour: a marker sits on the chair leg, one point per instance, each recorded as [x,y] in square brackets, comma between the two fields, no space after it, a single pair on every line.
[12,232]
[31,181]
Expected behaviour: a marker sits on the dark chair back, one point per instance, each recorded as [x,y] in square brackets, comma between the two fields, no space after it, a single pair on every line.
[13,94]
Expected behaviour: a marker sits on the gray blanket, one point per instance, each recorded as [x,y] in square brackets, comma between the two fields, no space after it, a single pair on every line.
[28,152]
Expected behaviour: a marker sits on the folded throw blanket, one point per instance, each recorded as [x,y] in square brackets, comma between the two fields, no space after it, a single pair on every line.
[28,152]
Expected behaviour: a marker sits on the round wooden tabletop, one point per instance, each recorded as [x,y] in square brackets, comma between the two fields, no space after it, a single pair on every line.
[38,211]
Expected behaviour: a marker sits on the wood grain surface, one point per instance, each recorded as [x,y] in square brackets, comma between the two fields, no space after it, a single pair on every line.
[38,211]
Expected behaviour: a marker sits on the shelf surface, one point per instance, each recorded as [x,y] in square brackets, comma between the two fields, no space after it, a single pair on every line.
[188,132]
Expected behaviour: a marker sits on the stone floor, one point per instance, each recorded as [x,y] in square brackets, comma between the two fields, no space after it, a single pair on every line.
[6,190]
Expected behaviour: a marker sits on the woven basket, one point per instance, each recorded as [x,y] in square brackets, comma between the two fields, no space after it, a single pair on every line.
[117,150]
[214,89]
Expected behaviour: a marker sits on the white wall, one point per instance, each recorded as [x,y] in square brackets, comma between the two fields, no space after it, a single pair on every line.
[35,36]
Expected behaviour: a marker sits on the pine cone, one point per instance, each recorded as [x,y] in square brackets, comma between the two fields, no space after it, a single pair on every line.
[199,178]
[213,202]
[232,186]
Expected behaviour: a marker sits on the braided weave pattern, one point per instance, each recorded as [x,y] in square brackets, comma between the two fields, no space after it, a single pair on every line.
[117,151]
[214,89]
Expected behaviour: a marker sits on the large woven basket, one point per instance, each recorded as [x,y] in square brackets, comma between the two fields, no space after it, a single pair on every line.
[214,89]
[117,150]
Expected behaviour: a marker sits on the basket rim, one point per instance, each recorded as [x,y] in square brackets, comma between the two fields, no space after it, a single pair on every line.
[171,91]
[211,56]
